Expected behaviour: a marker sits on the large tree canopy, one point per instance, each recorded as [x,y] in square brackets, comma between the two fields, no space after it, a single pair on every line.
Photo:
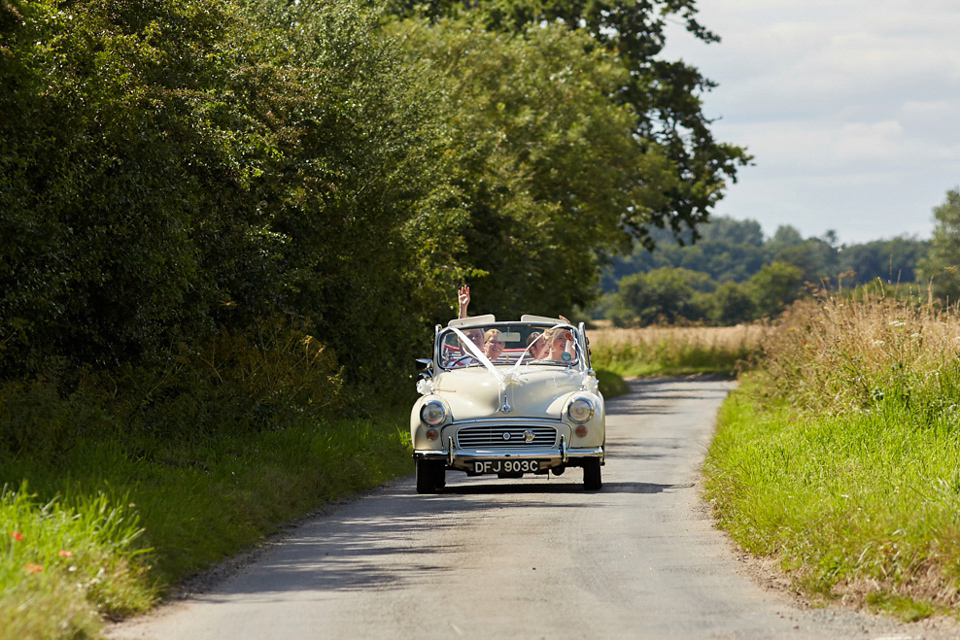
[665,95]
[546,163]
[167,167]
[171,171]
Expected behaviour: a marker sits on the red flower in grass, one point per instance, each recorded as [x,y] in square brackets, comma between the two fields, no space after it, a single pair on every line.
[16,535]
[65,554]
[32,568]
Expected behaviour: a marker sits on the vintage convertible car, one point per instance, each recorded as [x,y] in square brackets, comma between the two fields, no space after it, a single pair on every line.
[507,398]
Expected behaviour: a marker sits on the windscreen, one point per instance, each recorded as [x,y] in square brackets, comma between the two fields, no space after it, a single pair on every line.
[508,344]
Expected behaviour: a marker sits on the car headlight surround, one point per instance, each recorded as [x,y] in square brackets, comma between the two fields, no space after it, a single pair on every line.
[580,410]
[433,413]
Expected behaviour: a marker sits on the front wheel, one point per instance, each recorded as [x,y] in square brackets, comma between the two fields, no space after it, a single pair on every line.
[591,474]
[430,476]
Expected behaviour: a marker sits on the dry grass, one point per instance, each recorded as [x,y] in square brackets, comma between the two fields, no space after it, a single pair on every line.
[838,355]
[675,350]
[729,338]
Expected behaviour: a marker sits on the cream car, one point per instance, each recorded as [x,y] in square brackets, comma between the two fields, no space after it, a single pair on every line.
[507,398]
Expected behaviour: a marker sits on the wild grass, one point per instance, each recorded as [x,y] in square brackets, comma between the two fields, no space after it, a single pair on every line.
[840,456]
[133,517]
[66,560]
[674,350]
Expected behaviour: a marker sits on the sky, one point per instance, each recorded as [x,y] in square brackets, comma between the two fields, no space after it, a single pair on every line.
[851,109]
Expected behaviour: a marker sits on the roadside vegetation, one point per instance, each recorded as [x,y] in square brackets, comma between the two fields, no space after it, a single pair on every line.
[840,455]
[111,524]
[227,229]
[734,274]
[675,350]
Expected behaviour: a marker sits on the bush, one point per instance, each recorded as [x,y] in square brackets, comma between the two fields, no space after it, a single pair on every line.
[239,381]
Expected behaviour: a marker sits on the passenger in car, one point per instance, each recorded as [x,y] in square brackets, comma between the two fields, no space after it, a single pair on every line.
[557,342]
[536,346]
[465,356]
[492,345]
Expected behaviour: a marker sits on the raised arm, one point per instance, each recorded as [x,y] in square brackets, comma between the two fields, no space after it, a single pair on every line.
[463,299]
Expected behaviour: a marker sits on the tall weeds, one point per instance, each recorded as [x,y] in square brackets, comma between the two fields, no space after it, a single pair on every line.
[840,455]
[836,355]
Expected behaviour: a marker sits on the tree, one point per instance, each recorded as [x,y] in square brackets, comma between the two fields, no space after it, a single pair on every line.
[732,304]
[545,163]
[775,286]
[663,295]
[891,261]
[942,266]
[171,168]
[663,95]
[729,250]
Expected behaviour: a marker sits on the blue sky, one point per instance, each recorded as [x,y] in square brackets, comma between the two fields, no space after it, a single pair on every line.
[850,107]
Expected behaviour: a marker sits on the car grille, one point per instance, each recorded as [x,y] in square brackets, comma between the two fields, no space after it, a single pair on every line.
[505,436]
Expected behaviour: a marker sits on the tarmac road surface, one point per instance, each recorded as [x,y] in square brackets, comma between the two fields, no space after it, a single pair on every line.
[532,558]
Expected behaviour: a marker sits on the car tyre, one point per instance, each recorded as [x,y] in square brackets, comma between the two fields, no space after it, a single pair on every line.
[591,474]
[430,476]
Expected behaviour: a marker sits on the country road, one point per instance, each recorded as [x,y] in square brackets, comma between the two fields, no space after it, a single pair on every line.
[532,558]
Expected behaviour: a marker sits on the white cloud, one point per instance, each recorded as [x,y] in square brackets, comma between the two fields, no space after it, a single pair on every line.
[849,107]
[859,140]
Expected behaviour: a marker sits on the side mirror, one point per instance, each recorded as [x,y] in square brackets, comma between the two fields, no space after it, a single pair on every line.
[426,367]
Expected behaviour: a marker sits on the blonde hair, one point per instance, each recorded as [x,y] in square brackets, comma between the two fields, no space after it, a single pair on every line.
[551,334]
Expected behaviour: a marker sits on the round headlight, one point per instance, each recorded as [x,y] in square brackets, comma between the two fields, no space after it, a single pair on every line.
[432,413]
[580,410]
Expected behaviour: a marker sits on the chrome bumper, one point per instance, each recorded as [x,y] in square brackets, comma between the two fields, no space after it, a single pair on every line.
[456,458]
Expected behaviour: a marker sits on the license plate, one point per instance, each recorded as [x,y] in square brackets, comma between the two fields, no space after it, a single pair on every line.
[505,466]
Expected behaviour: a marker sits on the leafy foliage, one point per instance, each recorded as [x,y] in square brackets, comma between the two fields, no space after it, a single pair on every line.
[753,271]
[215,215]
[168,167]
[941,266]
[664,96]
[545,162]
[663,295]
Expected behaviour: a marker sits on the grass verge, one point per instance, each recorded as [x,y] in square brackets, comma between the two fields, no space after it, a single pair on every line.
[128,520]
[840,457]
[611,384]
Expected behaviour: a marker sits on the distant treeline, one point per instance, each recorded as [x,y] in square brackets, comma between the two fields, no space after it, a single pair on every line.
[735,274]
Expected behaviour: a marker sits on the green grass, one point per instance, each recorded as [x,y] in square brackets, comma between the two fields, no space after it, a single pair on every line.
[611,384]
[137,517]
[674,350]
[850,474]
[66,560]
[124,486]
[671,359]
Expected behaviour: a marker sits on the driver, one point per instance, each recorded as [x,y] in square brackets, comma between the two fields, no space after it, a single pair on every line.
[466,357]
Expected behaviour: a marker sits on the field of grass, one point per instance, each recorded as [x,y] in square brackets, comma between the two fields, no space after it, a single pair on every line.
[840,455]
[674,350]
